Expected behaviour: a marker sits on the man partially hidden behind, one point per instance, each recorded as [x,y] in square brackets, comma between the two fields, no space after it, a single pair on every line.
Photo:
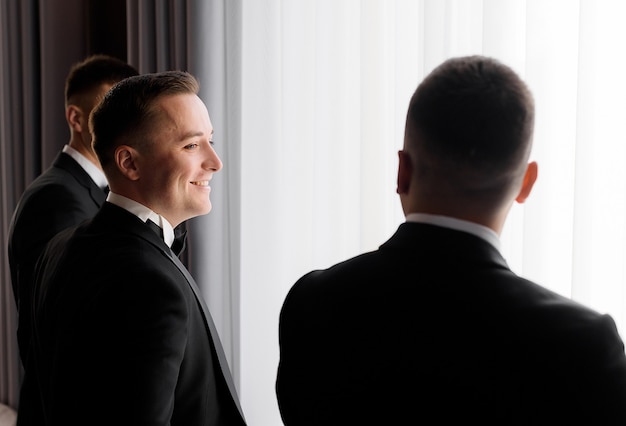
[121,333]
[70,191]
[433,327]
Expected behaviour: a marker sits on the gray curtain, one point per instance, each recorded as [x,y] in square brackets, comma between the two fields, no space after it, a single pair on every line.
[215,58]
[203,37]
[39,40]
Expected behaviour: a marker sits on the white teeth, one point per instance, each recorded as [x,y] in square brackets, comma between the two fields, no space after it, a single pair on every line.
[201,183]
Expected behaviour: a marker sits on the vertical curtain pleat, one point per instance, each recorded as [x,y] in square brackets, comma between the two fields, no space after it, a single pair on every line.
[19,163]
[158,35]
[60,30]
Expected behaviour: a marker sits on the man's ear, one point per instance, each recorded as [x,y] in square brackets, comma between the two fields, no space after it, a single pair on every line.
[73,115]
[126,161]
[529,180]
[405,171]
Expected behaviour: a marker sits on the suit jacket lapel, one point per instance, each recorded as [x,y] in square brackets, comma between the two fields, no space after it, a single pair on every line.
[217,344]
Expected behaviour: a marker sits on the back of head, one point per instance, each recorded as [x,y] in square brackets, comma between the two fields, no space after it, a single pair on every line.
[89,75]
[127,112]
[469,129]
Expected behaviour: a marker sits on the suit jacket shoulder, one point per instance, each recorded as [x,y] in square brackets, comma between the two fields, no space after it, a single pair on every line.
[435,319]
[63,196]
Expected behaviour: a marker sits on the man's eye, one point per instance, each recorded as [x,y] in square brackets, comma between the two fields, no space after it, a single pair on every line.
[191,146]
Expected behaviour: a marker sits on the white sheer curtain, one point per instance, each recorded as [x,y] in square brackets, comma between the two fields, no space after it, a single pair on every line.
[324,89]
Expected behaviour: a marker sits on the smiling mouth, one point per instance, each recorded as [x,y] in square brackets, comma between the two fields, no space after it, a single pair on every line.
[200,183]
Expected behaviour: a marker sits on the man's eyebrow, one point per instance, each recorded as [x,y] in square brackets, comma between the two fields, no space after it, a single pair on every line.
[194,134]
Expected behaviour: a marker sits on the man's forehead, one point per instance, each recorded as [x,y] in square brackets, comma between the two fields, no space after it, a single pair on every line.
[184,113]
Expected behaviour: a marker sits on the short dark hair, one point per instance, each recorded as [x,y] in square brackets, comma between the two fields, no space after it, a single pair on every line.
[94,71]
[471,120]
[126,112]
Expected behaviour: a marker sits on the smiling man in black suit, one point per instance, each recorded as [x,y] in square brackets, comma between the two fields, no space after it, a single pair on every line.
[433,327]
[121,334]
[70,191]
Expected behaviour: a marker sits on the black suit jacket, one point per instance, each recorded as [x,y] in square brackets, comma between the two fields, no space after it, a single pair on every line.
[434,328]
[62,196]
[121,335]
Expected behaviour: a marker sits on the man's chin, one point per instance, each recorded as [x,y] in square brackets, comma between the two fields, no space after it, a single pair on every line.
[204,210]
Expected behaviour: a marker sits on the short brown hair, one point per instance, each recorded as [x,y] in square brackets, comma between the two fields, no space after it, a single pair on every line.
[126,112]
[471,122]
[94,71]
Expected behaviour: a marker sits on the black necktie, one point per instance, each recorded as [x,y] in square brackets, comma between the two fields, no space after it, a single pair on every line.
[180,236]
[180,239]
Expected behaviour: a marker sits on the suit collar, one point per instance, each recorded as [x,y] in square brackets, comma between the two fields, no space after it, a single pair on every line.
[481,231]
[144,213]
[66,162]
[96,174]
[431,238]
[121,220]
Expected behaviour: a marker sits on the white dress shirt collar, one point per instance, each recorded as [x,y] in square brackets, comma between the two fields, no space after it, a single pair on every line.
[481,231]
[145,214]
[94,172]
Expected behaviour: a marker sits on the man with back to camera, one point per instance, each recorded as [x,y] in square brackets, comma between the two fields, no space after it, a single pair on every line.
[433,327]
[70,191]
[121,334]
